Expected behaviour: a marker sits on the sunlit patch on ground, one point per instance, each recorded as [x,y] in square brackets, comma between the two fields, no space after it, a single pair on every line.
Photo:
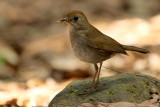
[34,92]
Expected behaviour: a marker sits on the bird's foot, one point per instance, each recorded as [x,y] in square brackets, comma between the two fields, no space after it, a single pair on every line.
[96,84]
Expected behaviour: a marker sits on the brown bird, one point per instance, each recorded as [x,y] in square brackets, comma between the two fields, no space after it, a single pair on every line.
[92,46]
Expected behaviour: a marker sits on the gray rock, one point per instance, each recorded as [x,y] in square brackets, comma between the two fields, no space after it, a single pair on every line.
[128,87]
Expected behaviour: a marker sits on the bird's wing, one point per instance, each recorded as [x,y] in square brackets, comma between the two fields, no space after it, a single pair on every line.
[104,43]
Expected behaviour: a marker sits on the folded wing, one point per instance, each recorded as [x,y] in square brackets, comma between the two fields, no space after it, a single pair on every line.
[104,43]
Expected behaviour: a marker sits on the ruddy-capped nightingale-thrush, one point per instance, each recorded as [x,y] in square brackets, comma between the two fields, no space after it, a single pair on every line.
[92,46]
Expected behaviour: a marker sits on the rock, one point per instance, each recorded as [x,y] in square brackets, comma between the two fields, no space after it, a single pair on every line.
[134,88]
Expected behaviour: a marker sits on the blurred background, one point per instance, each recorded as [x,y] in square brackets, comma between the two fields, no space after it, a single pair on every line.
[36,60]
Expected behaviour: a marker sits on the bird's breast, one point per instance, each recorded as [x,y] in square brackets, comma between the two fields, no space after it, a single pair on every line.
[85,52]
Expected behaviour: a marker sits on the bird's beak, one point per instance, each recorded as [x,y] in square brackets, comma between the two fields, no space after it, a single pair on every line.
[64,20]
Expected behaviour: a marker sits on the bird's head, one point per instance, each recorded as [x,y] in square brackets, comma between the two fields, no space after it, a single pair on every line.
[75,19]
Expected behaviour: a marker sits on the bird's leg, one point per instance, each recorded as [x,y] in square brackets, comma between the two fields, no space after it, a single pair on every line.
[95,75]
[93,82]
[98,74]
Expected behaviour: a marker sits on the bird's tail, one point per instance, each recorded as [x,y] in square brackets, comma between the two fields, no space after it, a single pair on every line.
[133,48]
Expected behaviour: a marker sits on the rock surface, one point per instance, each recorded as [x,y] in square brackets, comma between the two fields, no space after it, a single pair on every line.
[127,87]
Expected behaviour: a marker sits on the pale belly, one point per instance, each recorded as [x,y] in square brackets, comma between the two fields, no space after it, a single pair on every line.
[88,54]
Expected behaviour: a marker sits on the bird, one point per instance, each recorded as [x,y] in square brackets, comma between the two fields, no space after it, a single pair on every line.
[92,46]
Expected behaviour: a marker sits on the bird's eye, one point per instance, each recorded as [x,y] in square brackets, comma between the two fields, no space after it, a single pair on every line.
[75,18]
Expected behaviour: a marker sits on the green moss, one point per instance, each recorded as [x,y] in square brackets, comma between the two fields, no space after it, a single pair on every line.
[147,83]
[102,78]
[131,91]
[73,91]
[136,97]
[111,93]
[145,97]
[132,99]
[134,86]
